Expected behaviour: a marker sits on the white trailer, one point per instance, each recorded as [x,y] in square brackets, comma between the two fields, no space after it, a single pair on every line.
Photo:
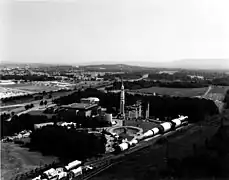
[50,174]
[133,142]
[73,164]
[124,146]
[37,178]
[75,172]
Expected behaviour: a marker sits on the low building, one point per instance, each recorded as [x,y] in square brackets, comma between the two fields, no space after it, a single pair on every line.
[82,109]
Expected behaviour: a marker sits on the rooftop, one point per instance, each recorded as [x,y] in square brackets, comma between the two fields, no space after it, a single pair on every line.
[80,106]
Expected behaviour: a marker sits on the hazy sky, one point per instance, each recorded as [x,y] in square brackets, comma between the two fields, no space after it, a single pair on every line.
[76,31]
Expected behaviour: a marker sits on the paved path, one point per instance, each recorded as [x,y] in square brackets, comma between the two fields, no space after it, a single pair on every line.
[206,93]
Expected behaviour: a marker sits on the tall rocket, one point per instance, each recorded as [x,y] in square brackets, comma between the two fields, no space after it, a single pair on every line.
[140,111]
[122,100]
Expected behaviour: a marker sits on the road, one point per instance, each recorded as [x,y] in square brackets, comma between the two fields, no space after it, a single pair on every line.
[206,93]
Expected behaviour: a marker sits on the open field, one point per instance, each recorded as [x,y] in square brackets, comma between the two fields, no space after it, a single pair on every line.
[219,89]
[183,92]
[16,159]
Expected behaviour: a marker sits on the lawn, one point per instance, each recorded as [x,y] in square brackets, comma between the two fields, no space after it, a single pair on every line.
[15,159]
[183,92]
[219,89]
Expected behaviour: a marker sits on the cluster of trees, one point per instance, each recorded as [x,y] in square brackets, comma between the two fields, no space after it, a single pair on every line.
[67,143]
[223,81]
[22,122]
[147,84]
[134,75]
[170,77]
[28,77]
[43,103]
[226,99]
[196,109]
[15,98]
[5,116]
[108,100]
[28,106]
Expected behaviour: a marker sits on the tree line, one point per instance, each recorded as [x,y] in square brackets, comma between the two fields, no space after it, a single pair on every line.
[67,143]
[160,106]
[147,84]
[226,99]
[28,77]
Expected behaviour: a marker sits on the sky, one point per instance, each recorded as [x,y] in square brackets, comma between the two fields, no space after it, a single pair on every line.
[80,31]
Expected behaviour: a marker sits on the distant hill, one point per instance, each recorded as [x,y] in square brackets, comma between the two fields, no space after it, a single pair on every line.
[114,67]
[202,64]
[196,64]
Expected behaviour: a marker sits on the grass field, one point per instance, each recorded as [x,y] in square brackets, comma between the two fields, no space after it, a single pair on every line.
[183,92]
[219,89]
[15,159]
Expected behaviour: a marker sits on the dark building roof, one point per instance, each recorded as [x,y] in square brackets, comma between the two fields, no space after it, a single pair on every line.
[79,106]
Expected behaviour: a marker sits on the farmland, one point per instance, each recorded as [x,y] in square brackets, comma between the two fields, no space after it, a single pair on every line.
[182,92]
[219,89]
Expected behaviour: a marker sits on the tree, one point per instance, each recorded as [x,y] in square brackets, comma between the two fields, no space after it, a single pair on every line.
[12,113]
[41,103]
[26,107]
[45,103]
